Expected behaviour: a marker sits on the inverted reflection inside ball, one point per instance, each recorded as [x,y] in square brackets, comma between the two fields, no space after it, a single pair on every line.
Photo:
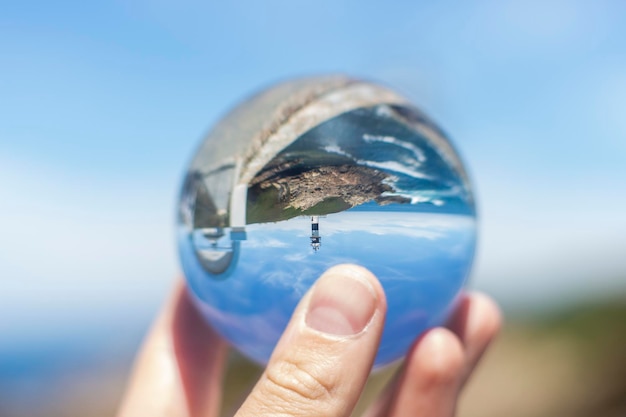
[312,174]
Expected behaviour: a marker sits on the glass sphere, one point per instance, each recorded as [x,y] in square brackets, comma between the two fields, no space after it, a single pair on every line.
[316,172]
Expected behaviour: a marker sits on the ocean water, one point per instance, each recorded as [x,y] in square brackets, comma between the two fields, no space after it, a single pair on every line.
[418,161]
[422,260]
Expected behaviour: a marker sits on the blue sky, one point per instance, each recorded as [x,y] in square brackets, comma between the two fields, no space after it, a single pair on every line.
[275,265]
[103,103]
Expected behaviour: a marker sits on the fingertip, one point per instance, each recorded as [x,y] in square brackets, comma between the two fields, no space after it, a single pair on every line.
[440,361]
[360,273]
[437,359]
[432,375]
[477,322]
[485,320]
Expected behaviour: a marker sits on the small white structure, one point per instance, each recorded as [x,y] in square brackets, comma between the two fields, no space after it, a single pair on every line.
[316,239]
[238,202]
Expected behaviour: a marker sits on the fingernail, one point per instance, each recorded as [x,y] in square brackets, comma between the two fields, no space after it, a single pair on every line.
[343,302]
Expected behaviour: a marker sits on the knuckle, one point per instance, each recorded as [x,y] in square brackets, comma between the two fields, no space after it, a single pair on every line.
[301,382]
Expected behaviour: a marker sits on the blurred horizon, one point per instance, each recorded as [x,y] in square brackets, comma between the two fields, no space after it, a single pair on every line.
[103,104]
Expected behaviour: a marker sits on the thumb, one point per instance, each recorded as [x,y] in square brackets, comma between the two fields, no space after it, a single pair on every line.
[324,357]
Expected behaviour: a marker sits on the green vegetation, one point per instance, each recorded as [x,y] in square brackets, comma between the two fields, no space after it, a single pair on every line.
[596,330]
[266,207]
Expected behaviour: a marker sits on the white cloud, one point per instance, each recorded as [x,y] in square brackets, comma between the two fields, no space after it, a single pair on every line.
[295,257]
[266,243]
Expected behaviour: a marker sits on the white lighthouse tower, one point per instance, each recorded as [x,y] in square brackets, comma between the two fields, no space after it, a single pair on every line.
[316,239]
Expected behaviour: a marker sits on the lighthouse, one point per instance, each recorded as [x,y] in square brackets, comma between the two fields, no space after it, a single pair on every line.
[316,240]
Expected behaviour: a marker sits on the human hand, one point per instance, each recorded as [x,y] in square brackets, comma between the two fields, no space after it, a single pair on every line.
[321,363]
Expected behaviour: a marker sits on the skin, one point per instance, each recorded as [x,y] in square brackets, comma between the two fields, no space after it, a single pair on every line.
[320,364]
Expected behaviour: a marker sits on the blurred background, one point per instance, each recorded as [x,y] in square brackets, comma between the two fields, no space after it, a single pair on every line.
[103,103]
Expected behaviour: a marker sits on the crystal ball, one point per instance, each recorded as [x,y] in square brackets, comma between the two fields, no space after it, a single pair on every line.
[312,173]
